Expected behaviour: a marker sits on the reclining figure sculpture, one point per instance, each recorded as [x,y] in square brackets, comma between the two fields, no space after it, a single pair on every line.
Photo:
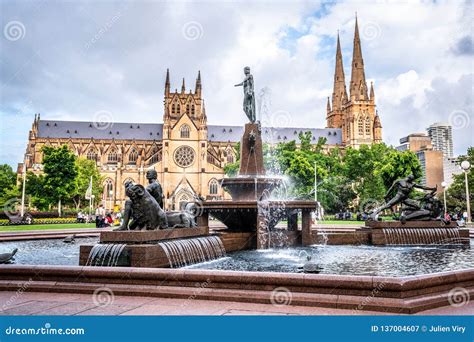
[427,208]
[144,208]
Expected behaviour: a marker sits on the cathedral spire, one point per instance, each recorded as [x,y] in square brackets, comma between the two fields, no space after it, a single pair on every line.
[198,84]
[339,89]
[372,92]
[358,87]
[167,82]
[183,87]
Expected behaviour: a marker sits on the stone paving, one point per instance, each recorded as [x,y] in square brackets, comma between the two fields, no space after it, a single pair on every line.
[37,303]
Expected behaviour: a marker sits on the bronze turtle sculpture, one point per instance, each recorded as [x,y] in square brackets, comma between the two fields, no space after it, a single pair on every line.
[7,258]
[310,267]
[70,238]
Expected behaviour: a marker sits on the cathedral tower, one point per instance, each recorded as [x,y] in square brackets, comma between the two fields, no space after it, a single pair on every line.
[355,114]
[339,95]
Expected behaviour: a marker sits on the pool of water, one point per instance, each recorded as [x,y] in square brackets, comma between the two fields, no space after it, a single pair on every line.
[46,252]
[349,260]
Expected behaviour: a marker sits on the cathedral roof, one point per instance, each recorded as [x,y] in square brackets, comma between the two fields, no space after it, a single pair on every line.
[274,134]
[148,131]
[97,130]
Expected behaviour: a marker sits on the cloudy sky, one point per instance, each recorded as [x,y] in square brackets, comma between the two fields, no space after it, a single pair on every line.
[72,60]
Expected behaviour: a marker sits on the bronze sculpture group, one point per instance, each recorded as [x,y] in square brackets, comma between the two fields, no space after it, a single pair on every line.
[426,208]
[144,209]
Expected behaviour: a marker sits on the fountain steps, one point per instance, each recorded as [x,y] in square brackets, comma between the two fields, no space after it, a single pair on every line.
[396,295]
[153,255]
[395,233]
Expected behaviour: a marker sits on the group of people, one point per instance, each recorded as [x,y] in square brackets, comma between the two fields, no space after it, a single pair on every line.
[458,216]
[105,218]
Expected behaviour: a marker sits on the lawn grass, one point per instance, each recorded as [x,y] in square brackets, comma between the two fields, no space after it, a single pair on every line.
[21,228]
[341,222]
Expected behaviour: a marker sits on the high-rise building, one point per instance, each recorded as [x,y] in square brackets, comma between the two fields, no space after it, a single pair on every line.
[415,142]
[432,167]
[451,168]
[431,160]
[441,135]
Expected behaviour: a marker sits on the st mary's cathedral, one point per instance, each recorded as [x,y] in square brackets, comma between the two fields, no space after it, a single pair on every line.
[188,153]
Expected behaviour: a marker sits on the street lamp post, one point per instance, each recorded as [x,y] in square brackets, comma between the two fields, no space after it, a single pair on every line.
[23,190]
[22,212]
[465,165]
[111,193]
[444,185]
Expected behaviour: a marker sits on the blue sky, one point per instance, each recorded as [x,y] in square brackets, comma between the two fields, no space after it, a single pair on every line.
[70,60]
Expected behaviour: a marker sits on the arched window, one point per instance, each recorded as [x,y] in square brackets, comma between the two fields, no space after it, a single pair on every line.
[183,200]
[108,188]
[112,157]
[91,155]
[188,109]
[132,157]
[213,187]
[173,109]
[360,124]
[184,130]
[367,126]
[178,109]
[155,156]
[230,157]
[193,111]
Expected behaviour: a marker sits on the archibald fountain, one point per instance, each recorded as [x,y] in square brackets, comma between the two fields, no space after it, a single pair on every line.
[152,237]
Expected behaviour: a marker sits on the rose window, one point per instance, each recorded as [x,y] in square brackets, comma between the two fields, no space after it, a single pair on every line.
[184,156]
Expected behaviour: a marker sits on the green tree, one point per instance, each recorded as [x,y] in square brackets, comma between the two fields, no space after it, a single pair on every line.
[60,173]
[398,164]
[8,187]
[85,170]
[360,167]
[456,192]
[232,169]
[36,193]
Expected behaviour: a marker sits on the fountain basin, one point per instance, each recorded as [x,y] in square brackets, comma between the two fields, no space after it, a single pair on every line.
[248,188]
[242,216]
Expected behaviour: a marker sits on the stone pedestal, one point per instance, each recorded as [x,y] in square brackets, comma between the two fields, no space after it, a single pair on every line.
[251,153]
[306,234]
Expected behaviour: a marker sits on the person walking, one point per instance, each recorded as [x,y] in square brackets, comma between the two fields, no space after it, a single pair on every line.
[99,216]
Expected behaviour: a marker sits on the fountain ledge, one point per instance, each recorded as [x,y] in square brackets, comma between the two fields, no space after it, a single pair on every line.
[140,236]
[387,294]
